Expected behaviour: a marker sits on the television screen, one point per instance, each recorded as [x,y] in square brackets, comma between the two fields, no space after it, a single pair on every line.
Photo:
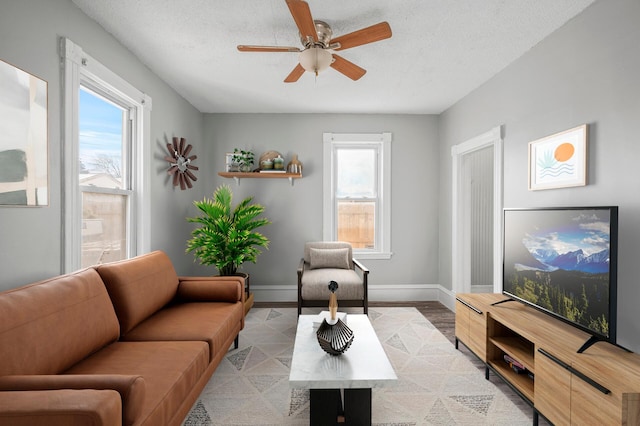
[563,262]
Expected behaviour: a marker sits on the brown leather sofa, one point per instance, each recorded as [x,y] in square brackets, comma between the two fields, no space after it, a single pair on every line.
[126,343]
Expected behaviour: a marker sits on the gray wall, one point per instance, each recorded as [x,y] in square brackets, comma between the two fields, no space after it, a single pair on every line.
[30,243]
[586,72]
[296,211]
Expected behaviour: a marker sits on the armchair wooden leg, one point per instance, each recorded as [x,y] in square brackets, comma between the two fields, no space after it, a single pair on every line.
[236,341]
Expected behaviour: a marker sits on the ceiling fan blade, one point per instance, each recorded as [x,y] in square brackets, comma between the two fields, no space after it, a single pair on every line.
[302,15]
[347,68]
[367,35]
[246,48]
[295,74]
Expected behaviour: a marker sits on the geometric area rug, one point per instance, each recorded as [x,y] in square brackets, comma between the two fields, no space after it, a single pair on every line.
[437,385]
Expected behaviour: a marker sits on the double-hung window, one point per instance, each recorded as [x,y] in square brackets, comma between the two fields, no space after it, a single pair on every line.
[106,163]
[357,192]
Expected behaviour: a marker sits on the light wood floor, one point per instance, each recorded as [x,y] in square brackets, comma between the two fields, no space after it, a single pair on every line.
[444,320]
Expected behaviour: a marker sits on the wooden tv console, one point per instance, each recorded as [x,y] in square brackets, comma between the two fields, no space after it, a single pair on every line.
[599,386]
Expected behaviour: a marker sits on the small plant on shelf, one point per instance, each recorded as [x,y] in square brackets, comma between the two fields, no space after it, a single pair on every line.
[244,159]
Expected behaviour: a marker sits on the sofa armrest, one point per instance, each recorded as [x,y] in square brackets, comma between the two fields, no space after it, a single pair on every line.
[61,407]
[132,389]
[211,289]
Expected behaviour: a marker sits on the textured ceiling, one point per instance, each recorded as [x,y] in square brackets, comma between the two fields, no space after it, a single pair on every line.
[440,50]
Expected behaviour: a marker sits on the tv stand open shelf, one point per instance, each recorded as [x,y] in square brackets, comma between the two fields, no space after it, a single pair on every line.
[600,385]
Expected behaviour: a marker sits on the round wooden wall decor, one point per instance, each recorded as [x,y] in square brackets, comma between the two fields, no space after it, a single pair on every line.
[180,163]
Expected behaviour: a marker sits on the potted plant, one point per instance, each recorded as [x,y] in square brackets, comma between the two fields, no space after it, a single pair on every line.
[244,159]
[226,237]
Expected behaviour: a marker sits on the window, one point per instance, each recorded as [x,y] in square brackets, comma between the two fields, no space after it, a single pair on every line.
[106,164]
[357,192]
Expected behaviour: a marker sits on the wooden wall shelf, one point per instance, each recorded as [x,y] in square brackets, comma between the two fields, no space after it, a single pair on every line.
[256,175]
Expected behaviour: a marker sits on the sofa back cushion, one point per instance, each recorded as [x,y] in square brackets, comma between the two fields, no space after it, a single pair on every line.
[49,326]
[139,287]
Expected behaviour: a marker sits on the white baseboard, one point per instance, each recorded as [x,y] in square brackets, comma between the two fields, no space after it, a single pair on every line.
[377,293]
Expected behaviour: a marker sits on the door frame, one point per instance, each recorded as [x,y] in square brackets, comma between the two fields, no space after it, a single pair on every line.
[459,241]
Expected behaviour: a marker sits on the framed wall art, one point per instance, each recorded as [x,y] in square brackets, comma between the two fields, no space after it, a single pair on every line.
[24,172]
[559,160]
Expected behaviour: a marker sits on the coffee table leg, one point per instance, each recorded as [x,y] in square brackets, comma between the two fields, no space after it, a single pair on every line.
[357,406]
[325,406]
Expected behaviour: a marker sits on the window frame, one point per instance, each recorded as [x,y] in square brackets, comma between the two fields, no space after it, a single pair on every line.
[80,69]
[382,142]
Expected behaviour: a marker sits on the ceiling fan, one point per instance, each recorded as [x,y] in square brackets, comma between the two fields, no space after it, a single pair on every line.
[318,46]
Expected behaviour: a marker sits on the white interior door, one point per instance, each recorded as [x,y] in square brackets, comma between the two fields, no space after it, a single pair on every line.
[477,214]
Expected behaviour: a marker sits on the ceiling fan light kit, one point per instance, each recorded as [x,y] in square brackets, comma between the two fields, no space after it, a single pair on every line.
[315,59]
[316,38]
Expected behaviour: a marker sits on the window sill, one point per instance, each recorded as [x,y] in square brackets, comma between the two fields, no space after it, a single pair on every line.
[372,255]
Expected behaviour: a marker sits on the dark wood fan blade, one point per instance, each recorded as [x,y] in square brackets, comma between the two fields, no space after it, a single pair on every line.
[189,166]
[347,68]
[367,35]
[295,74]
[169,159]
[246,48]
[187,181]
[182,181]
[181,146]
[191,176]
[187,150]
[304,21]
[172,170]
[176,177]
[175,144]
[170,149]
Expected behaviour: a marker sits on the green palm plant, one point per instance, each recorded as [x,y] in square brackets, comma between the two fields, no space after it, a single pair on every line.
[226,237]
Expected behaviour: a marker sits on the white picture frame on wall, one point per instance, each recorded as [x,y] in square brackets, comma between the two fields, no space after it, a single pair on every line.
[559,160]
[24,160]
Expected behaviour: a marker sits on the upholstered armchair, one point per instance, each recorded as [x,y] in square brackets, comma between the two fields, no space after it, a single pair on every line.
[325,261]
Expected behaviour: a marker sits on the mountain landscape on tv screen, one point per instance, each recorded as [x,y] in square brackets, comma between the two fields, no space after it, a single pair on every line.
[550,260]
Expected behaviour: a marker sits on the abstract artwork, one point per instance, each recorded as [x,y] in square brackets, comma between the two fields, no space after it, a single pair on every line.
[23,138]
[559,160]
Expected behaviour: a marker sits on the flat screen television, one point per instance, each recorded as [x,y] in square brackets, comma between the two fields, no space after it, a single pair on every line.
[563,261]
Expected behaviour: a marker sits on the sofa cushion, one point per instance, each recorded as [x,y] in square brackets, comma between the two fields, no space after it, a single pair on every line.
[170,371]
[327,245]
[215,323]
[47,327]
[329,258]
[315,284]
[139,287]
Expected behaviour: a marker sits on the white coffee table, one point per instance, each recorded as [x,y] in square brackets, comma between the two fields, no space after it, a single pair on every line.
[354,373]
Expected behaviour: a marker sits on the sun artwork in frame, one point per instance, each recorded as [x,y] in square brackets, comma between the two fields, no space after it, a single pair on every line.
[559,160]
[180,163]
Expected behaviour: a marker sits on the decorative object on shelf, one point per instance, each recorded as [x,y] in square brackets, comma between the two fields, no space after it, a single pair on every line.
[333,335]
[294,166]
[266,164]
[180,163]
[559,160]
[24,173]
[269,156]
[229,165]
[278,163]
[226,237]
[244,159]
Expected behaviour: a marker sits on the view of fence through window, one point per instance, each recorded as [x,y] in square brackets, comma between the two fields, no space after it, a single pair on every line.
[102,179]
[356,194]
